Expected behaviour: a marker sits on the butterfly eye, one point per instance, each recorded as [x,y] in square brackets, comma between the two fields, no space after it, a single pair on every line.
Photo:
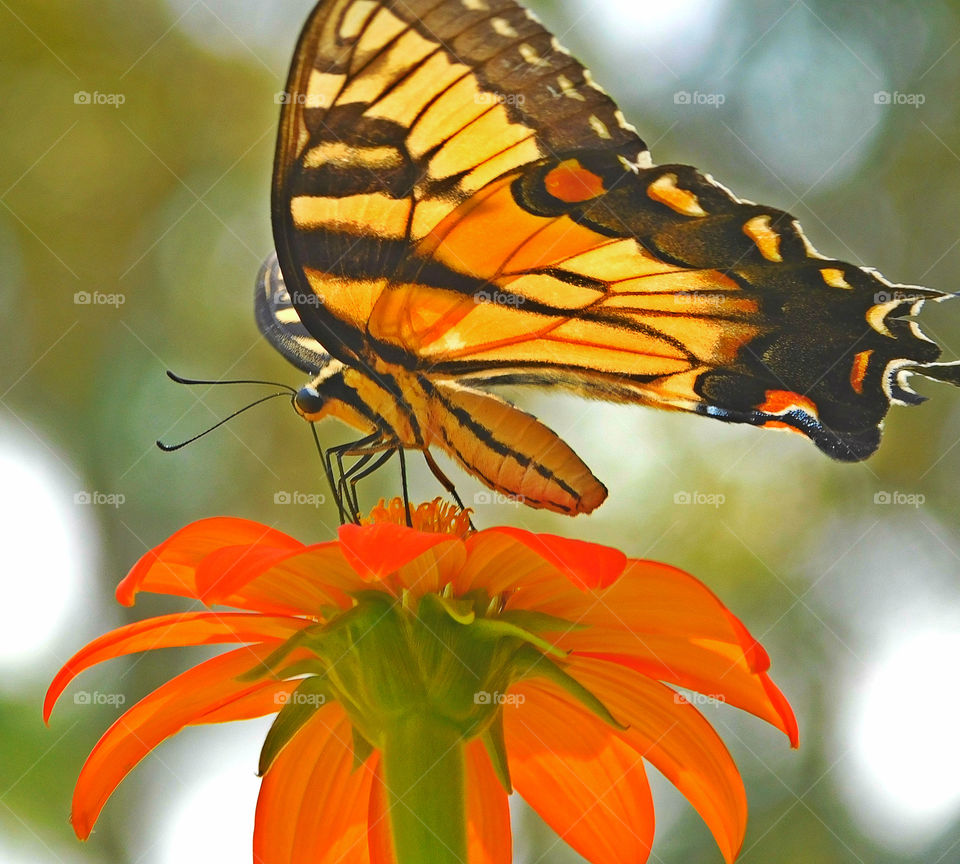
[309,402]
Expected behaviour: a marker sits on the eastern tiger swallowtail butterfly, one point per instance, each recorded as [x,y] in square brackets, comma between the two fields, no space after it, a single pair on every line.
[456,206]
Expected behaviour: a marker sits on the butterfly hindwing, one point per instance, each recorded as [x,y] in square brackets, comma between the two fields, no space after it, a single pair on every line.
[279,322]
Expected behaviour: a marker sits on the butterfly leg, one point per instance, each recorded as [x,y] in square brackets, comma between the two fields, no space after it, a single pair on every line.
[403,484]
[348,489]
[370,444]
[443,480]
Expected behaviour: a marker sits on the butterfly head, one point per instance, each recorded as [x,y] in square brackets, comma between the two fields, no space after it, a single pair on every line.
[316,399]
[333,393]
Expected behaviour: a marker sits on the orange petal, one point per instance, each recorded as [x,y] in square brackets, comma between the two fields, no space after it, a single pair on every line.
[168,631]
[588,784]
[586,565]
[170,568]
[379,839]
[305,579]
[314,805]
[379,551]
[669,732]
[180,701]
[498,563]
[668,625]
[268,699]
[488,812]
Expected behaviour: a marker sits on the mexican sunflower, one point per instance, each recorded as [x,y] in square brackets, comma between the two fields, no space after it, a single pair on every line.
[420,674]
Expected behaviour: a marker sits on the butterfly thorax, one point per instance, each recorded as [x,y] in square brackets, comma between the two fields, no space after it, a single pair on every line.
[369,399]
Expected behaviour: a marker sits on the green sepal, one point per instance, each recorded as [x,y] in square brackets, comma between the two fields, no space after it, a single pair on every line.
[539,666]
[496,746]
[362,748]
[539,622]
[494,628]
[459,609]
[302,704]
[272,661]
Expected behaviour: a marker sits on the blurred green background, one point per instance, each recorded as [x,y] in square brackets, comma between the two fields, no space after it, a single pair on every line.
[130,236]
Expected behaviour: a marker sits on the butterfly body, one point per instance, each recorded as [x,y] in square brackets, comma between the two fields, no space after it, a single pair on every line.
[457,207]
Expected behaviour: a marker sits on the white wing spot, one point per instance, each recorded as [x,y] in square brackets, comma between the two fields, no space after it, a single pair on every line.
[568,89]
[588,77]
[504,28]
[807,245]
[476,5]
[529,53]
[623,122]
[599,127]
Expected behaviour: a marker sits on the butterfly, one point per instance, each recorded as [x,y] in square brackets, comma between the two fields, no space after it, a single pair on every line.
[457,206]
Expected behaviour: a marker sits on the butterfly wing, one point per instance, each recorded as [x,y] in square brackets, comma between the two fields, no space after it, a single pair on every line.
[279,322]
[453,194]
[391,123]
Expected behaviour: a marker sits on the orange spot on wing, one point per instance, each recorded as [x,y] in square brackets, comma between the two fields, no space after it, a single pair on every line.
[571,182]
[760,231]
[781,401]
[859,370]
[786,427]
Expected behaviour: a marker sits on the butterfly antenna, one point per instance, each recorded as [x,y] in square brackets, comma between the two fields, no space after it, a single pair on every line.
[179,379]
[170,448]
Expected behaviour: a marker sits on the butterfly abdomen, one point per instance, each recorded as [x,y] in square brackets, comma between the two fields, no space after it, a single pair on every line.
[509,450]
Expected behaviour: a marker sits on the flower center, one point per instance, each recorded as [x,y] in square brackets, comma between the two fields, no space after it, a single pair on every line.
[433,517]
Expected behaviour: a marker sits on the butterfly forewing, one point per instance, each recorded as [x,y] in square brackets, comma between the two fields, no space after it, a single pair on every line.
[455,199]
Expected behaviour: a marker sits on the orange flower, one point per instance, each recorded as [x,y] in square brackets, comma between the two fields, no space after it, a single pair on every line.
[422,673]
